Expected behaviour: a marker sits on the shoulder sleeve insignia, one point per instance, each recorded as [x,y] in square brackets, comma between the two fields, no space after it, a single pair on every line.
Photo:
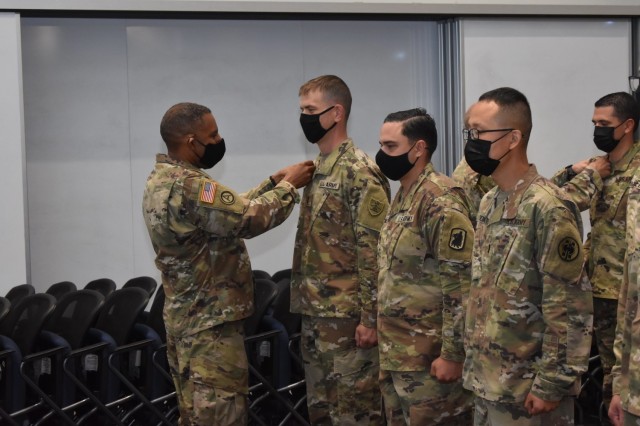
[457,238]
[207,191]
[568,249]
[227,198]
[375,207]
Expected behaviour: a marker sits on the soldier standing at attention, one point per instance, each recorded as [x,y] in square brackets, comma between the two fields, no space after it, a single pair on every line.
[529,316]
[196,227]
[334,274]
[424,258]
[601,184]
[625,405]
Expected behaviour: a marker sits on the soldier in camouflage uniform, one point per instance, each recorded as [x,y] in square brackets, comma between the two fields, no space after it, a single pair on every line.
[334,272]
[625,405]
[601,185]
[529,316]
[196,227]
[424,258]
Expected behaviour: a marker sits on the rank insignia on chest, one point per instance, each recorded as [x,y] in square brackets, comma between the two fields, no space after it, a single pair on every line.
[568,249]
[207,191]
[404,218]
[329,185]
[457,238]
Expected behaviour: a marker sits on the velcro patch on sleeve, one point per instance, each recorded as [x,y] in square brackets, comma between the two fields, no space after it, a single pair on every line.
[207,192]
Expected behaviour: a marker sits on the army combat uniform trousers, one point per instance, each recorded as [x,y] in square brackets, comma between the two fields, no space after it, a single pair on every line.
[342,379]
[489,413]
[604,328]
[210,371]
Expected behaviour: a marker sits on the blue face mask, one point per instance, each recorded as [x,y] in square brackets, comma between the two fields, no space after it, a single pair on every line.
[312,127]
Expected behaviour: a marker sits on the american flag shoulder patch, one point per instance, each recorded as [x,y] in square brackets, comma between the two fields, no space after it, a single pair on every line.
[207,191]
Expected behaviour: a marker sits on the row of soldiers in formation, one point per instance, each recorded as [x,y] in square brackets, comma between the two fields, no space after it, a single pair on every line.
[469,300]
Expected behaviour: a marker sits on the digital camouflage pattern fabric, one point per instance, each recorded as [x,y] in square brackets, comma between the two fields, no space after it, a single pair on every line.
[488,413]
[196,227]
[424,258]
[626,373]
[474,184]
[335,272]
[529,316]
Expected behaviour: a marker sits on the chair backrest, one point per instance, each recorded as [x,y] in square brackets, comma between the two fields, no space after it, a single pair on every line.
[148,284]
[5,307]
[27,319]
[73,315]
[106,286]
[257,273]
[264,293]
[284,273]
[156,320]
[120,311]
[58,290]
[19,292]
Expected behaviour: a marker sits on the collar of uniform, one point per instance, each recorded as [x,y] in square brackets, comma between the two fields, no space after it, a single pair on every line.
[164,158]
[624,162]
[515,195]
[428,169]
[325,163]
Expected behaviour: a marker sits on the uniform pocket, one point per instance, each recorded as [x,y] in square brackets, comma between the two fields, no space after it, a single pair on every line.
[507,256]
[356,374]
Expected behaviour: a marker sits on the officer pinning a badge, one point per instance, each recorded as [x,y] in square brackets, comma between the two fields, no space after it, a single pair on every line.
[424,258]
[189,216]
[529,314]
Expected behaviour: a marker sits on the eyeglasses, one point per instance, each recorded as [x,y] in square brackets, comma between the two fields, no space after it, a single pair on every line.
[475,133]
[634,82]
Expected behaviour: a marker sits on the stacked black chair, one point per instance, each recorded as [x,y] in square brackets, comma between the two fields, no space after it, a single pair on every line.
[264,380]
[58,290]
[279,275]
[5,307]
[27,319]
[19,292]
[106,286]
[64,331]
[260,274]
[148,284]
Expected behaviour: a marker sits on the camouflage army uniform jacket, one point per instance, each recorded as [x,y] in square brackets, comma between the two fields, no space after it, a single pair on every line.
[196,227]
[424,257]
[335,270]
[607,203]
[530,311]
[474,184]
[626,373]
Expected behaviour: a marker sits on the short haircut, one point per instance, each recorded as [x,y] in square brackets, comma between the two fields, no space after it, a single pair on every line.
[514,108]
[333,88]
[624,106]
[181,119]
[416,125]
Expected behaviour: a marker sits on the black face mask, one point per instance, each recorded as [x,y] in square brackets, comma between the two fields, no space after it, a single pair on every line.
[213,153]
[603,138]
[476,153]
[394,166]
[311,126]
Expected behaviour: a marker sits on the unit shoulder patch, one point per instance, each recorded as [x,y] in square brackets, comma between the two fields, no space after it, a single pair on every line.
[568,249]
[227,197]
[457,238]
[375,206]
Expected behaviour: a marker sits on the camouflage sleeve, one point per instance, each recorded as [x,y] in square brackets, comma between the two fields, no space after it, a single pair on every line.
[224,213]
[618,345]
[452,233]
[369,197]
[567,306]
[264,186]
[581,188]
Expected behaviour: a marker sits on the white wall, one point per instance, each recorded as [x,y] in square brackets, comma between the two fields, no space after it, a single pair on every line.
[13,249]
[95,90]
